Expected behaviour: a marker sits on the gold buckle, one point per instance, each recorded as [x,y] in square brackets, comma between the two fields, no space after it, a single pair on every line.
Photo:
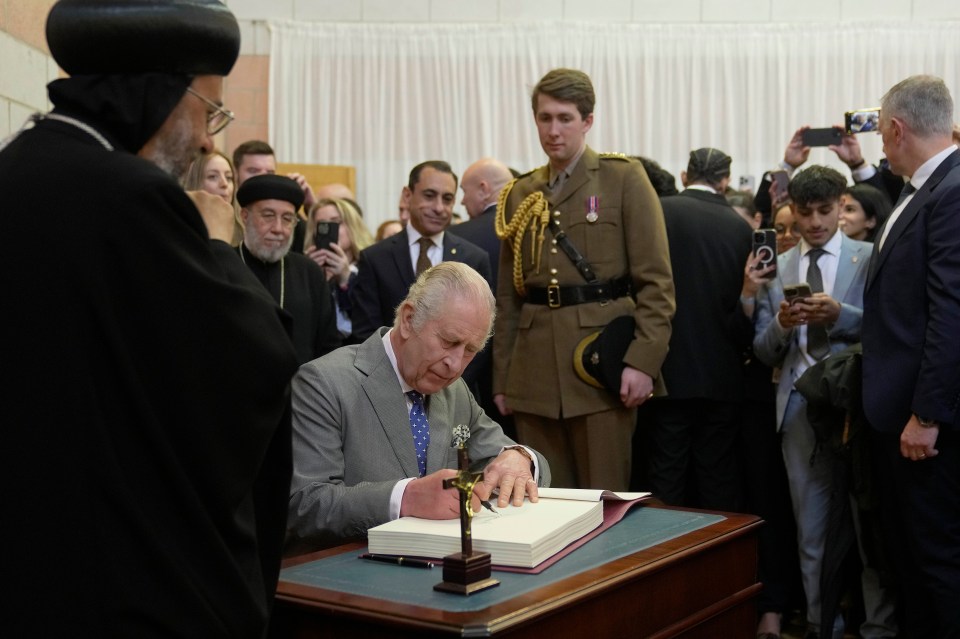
[553,296]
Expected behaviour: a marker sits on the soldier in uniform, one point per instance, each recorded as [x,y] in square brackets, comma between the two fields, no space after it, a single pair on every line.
[583,243]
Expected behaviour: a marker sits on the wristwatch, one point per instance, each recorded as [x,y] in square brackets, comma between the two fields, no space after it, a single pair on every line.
[928,423]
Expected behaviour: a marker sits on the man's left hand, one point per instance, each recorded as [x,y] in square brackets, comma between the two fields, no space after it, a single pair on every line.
[916,442]
[510,474]
[819,309]
[636,387]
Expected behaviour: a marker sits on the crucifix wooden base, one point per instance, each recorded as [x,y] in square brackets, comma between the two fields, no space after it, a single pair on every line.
[466,574]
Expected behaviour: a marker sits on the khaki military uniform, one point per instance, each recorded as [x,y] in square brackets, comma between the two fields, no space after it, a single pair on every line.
[534,343]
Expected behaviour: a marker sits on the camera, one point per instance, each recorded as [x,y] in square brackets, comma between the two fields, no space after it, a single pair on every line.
[765,247]
[327,233]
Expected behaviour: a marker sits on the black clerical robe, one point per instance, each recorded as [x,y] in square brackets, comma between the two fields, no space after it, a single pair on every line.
[145,449]
[302,284]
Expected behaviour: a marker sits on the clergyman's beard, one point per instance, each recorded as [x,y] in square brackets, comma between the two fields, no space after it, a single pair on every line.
[253,240]
[174,152]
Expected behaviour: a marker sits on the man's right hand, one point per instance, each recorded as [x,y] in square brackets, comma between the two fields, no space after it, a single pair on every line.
[501,401]
[217,214]
[425,497]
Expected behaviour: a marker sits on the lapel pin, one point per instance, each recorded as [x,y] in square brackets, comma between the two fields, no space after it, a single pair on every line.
[453,251]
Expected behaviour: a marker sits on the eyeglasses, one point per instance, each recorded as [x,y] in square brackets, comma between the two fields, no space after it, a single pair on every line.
[287,220]
[219,118]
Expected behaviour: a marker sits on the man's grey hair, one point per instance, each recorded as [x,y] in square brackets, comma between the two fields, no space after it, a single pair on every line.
[923,102]
[447,281]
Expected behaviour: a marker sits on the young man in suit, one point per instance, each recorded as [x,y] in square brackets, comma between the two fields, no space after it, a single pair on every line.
[610,215]
[364,453]
[794,335]
[387,269]
[911,354]
[694,428]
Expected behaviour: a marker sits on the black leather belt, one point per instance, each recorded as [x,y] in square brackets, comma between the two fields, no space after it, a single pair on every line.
[557,296]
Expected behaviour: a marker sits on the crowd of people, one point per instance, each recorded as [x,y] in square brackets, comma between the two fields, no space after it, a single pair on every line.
[247,369]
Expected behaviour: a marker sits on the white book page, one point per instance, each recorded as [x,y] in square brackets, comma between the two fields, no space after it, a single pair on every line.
[585,494]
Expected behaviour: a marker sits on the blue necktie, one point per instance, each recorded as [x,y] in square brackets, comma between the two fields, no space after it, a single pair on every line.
[420,429]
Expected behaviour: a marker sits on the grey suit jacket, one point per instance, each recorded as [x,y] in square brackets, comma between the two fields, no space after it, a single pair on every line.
[780,348]
[352,442]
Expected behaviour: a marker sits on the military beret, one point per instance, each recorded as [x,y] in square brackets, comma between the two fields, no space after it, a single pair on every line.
[188,37]
[269,186]
[598,358]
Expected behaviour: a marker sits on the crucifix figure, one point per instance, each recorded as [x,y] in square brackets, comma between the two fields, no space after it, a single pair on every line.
[464,482]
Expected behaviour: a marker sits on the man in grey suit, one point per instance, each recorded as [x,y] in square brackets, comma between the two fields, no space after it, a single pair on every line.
[795,334]
[359,456]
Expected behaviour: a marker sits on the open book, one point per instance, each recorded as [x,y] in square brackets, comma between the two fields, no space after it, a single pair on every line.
[519,537]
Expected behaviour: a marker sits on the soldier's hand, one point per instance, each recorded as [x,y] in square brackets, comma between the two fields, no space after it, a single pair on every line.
[636,387]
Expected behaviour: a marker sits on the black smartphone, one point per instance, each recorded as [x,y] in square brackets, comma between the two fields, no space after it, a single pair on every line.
[796,292]
[862,120]
[822,137]
[327,233]
[765,246]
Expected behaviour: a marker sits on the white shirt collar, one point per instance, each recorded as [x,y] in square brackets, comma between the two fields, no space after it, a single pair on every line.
[413,235]
[832,246]
[922,174]
[392,356]
[701,187]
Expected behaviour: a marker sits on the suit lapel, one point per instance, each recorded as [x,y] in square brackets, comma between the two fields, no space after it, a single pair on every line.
[909,214]
[847,267]
[451,247]
[401,256]
[394,419]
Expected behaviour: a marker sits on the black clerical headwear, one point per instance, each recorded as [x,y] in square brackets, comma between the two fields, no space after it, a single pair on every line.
[269,186]
[183,37]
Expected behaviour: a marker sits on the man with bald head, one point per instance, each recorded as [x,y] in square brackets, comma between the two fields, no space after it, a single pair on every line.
[146,444]
[481,185]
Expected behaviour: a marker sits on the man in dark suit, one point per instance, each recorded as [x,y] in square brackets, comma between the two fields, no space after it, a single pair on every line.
[481,185]
[387,269]
[911,355]
[694,428]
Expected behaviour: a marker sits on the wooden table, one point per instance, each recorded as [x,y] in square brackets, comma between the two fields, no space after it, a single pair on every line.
[700,584]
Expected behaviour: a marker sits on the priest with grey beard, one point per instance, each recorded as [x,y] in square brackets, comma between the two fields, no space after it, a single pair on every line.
[268,212]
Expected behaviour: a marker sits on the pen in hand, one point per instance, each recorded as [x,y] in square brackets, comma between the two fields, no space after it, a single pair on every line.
[399,561]
[486,504]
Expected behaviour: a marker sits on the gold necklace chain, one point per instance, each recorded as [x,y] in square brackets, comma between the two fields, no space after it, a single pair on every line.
[283,274]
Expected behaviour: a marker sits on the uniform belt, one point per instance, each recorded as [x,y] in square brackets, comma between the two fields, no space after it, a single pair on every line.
[557,296]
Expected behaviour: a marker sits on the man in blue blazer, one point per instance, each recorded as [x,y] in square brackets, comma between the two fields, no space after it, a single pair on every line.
[793,337]
[911,354]
[387,269]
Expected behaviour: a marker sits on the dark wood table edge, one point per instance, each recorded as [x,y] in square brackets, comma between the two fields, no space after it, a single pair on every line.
[535,603]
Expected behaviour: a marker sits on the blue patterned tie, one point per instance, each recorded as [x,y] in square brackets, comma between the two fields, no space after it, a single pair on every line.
[420,429]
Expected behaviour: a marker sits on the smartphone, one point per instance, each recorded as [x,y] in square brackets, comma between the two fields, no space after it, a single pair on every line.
[765,246]
[796,292]
[822,137]
[780,181]
[327,233]
[747,183]
[862,120]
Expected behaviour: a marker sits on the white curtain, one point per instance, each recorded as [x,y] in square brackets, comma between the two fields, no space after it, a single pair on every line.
[384,97]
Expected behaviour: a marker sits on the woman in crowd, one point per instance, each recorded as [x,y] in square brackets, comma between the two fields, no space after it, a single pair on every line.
[213,173]
[338,259]
[863,210]
[783,225]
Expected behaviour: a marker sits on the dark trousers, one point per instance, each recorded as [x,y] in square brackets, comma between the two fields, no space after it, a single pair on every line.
[766,495]
[921,514]
[692,445]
